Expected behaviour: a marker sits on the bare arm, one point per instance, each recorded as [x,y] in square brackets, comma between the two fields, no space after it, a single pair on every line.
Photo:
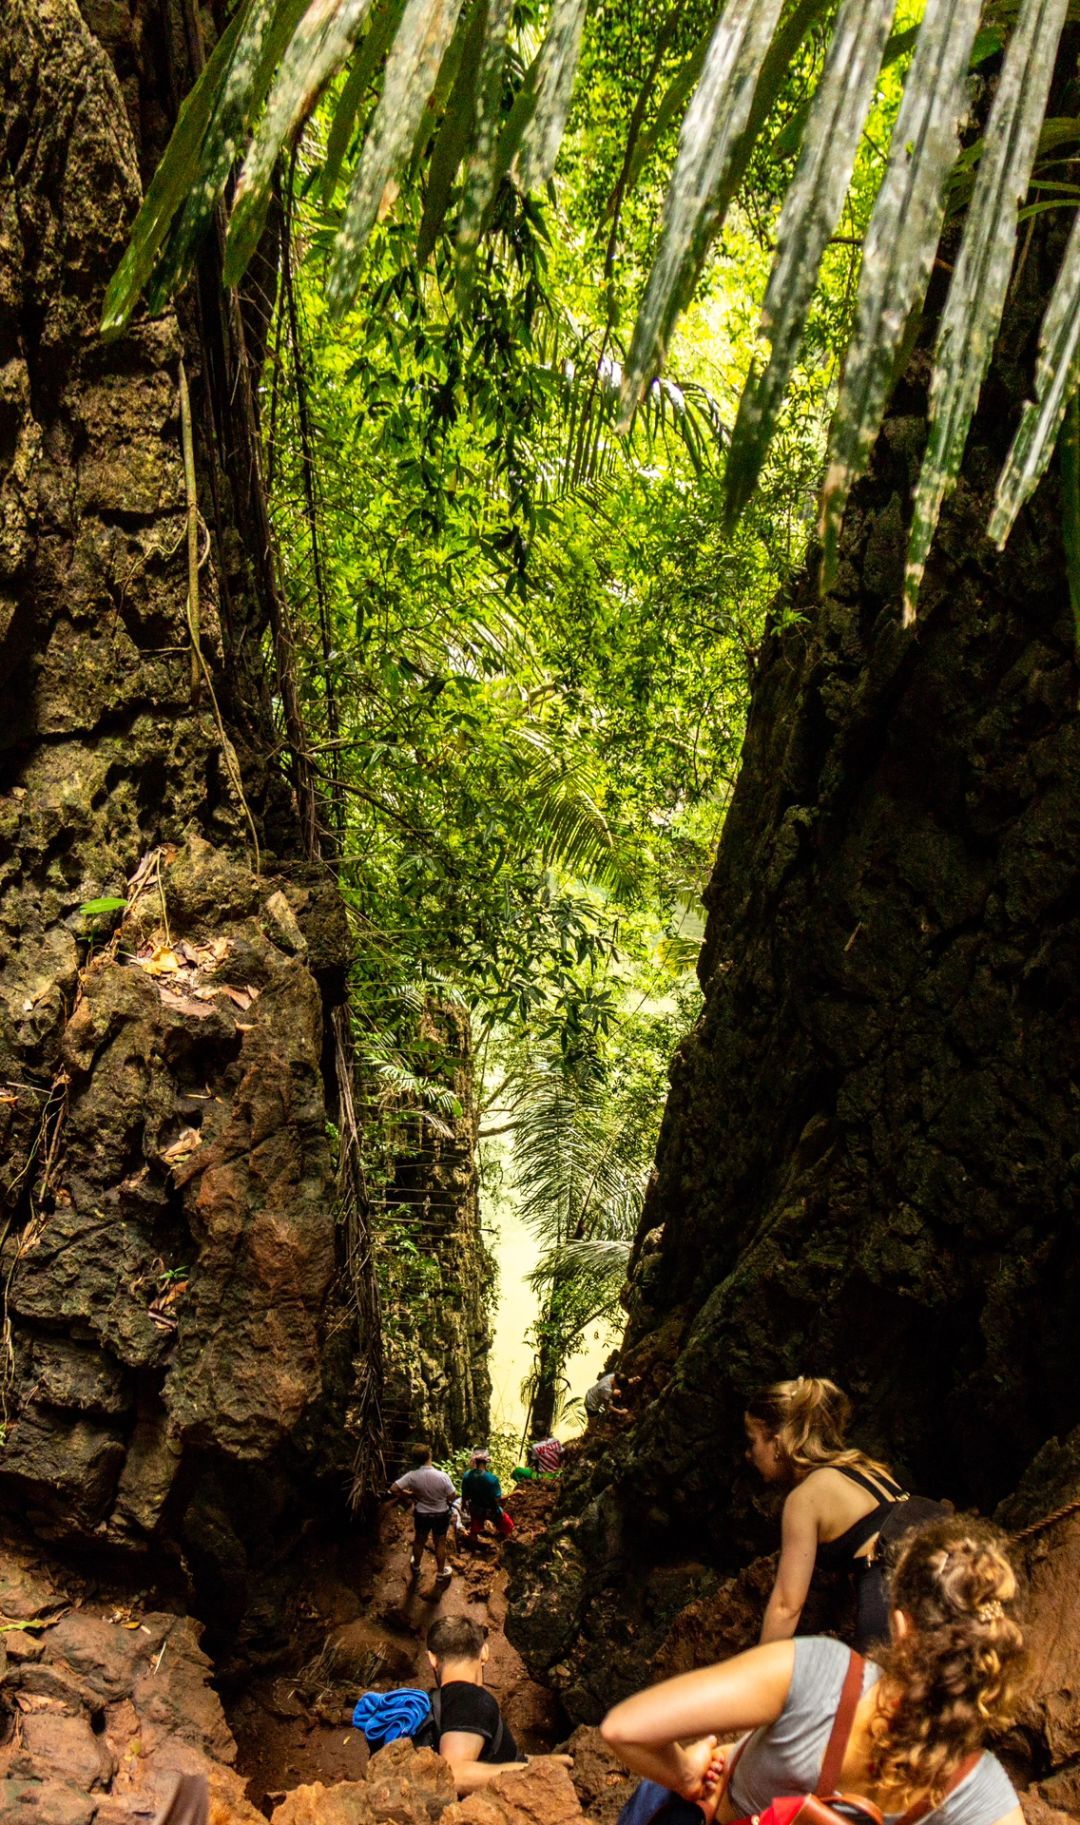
[462,1749]
[647,1731]
[798,1552]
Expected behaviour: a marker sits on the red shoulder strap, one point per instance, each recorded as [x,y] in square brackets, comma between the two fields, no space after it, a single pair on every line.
[920,1810]
[850,1694]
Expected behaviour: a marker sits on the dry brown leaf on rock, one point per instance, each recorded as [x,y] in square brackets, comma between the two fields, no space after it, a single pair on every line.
[158,959]
[184,1144]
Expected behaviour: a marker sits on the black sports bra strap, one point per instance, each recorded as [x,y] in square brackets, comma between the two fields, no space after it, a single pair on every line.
[893,1490]
[857,1535]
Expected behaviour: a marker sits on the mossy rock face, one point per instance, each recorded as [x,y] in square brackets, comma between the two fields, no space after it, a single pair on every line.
[168,1222]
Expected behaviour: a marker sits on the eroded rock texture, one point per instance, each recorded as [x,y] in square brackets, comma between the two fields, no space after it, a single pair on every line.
[868,1164]
[109,1706]
[168,1228]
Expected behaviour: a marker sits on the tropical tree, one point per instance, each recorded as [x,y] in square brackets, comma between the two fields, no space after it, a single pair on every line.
[580,1180]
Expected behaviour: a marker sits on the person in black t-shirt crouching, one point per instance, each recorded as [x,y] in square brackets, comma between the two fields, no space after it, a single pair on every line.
[470,1731]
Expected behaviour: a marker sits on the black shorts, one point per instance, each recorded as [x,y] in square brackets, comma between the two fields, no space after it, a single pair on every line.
[434,1524]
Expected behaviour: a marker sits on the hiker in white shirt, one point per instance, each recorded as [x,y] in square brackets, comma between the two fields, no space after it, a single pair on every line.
[430,1493]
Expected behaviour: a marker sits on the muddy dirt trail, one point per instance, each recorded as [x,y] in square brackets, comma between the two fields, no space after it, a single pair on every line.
[369,1620]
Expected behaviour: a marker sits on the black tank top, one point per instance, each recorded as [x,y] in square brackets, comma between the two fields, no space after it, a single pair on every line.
[836,1554]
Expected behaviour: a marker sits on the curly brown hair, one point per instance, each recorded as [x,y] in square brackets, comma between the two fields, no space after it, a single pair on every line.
[809,1417]
[957,1674]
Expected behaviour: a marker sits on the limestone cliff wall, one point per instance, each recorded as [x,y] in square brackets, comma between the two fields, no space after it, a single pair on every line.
[167,1242]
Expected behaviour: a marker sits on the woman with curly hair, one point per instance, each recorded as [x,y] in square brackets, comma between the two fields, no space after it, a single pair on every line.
[951,1676]
[796,1438]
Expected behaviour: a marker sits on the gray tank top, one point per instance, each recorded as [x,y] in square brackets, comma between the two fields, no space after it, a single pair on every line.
[787,1756]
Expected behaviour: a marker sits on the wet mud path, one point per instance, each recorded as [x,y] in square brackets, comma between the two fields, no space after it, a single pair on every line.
[366,1621]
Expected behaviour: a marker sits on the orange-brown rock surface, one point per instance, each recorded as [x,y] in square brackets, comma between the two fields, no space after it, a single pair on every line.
[102,1706]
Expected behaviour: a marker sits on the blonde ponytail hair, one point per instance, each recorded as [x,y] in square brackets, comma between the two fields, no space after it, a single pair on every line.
[809,1417]
[959,1671]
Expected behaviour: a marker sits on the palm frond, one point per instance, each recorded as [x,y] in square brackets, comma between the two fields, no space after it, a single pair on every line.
[590,390]
[452,80]
[403,1083]
[1057,379]
[556,807]
[900,245]
[595,1261]
[811,210]
[422,38]
[703,181]
[976,300]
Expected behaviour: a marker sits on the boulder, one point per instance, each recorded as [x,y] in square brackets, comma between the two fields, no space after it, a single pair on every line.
[541,1794]
[602,1783]
[66,1746]
[50,1802]
[345,1803]
[1051,1610]
[27,1588]
[108,1658]
[408,1786]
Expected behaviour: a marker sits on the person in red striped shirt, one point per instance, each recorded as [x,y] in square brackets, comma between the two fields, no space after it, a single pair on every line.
[546,1454]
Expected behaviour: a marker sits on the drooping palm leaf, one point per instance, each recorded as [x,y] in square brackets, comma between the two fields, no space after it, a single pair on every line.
[702,183]
[480,173]
[554,82]
[972,314]
[1057,377]
[386,17]
[317,48]
[900,244]
[456,130]
[188,184]
[426,29]
[811,210]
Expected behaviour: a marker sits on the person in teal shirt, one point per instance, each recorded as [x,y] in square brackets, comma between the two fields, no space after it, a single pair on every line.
[481,1489]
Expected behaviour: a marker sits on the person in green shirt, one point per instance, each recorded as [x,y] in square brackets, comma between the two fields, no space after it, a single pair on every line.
[481,1489]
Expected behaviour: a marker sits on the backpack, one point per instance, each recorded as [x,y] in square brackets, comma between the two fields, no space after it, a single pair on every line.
[902,1517]
[385,1717]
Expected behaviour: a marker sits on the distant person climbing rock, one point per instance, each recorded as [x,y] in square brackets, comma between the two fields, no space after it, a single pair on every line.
[906,1736]
[467,1726]
[482,1490]
[600,1396]
[546,1454]
[430,1493]
[839,1498]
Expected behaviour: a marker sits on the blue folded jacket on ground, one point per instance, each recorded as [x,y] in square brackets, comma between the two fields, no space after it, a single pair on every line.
[385,1716]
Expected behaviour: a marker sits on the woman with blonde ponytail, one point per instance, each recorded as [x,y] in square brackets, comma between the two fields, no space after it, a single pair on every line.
[951,1676]
[796,1438]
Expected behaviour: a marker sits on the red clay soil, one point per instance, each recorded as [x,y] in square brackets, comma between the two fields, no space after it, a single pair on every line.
[295,1728]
